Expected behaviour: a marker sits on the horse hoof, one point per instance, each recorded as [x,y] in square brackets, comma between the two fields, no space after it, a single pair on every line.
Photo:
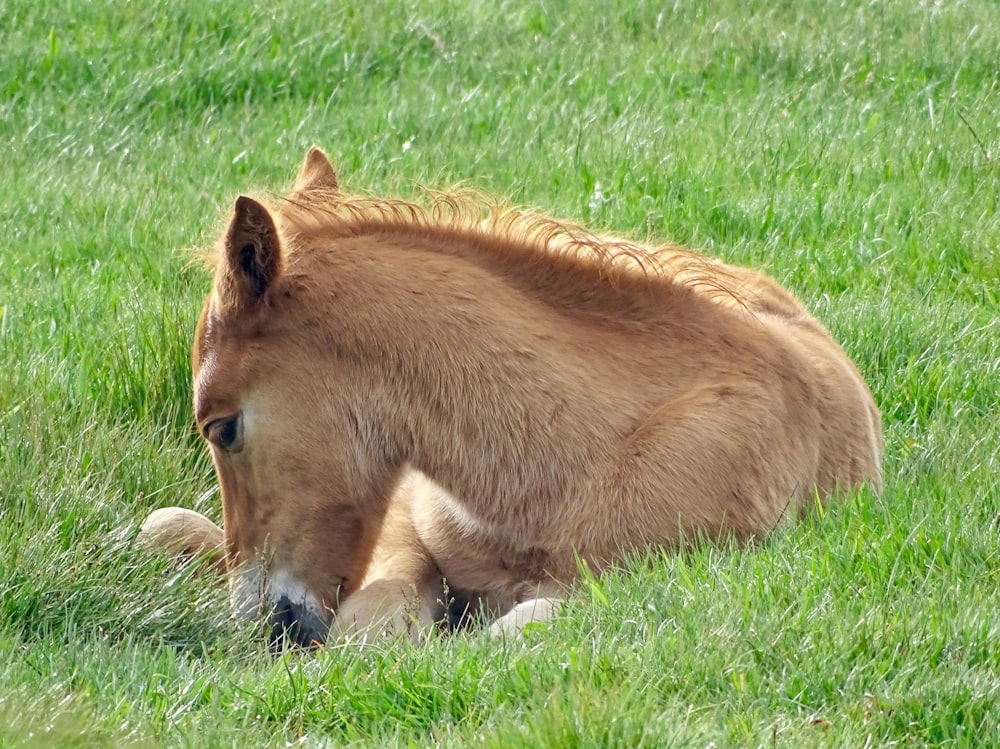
[185,535]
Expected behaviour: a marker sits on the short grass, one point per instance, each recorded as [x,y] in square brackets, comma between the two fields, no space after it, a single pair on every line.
[849,147]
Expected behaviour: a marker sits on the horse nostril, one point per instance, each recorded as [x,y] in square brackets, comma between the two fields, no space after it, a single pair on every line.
[292,623]
[284,625]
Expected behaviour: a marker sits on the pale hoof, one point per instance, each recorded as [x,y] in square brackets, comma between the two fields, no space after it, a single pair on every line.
[185,535]
[535,610]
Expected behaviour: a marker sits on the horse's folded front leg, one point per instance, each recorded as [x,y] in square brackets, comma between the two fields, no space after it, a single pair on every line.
[387,608]
[402,587]
[184,535]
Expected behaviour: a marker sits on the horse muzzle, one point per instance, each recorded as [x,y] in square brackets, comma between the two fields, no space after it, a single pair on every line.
[295,622]
[295,614]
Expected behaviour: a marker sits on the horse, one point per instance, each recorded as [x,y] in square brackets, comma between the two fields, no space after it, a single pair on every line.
[441,411]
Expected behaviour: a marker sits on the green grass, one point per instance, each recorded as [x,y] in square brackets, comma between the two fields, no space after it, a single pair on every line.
[850,148]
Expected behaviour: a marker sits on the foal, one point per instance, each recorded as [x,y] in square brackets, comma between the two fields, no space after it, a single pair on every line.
[417,410]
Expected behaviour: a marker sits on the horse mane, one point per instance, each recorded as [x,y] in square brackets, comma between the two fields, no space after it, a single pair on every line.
[513,236]
[560,257]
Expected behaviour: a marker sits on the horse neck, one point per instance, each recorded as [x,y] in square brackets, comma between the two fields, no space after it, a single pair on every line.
[473,378]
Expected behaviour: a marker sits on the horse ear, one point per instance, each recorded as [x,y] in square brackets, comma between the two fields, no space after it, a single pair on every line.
[252,253]
[317,173]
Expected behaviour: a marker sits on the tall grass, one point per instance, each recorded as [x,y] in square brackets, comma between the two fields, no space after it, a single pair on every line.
[849,148]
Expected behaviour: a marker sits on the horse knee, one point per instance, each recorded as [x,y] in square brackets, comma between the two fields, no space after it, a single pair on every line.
[383,609]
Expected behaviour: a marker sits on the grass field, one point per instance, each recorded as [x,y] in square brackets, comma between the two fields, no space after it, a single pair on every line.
[851,148]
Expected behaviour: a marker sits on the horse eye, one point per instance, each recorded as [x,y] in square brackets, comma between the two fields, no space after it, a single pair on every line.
[226,434]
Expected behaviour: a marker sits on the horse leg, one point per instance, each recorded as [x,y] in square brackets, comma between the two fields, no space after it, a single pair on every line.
[527,612]
[386,608]
[725,460]
[185,535]
[402,587]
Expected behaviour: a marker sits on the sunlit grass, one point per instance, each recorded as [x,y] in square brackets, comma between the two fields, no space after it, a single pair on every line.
[849,148]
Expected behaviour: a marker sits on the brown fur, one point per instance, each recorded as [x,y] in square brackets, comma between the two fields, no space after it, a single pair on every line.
[184,534]
[461,393]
